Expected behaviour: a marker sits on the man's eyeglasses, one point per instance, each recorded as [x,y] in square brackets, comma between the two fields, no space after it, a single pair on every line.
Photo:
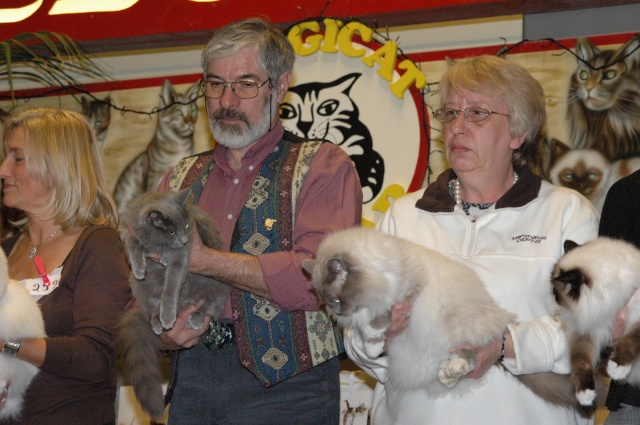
[244,89]
[471,114]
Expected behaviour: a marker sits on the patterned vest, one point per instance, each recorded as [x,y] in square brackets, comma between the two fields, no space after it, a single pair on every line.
[274,345]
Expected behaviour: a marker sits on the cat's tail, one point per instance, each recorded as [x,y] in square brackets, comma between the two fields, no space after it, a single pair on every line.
[139,347]
[559,390]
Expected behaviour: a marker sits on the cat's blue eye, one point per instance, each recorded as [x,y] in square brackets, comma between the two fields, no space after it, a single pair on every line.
[568,176]
[98,122]
[328,107]
[593,176]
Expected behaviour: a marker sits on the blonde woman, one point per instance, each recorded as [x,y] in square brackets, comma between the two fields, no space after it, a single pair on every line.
[69,256]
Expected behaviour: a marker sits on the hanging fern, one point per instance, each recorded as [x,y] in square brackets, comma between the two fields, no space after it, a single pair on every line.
[51,59]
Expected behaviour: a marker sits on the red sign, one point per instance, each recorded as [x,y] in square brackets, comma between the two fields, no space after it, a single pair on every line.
[140,18]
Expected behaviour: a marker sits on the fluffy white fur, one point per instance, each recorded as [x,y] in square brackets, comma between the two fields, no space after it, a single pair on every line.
[20,317]
[592,283]
[451,306]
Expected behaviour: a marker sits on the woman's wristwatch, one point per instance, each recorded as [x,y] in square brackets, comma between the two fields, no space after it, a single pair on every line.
[11,348]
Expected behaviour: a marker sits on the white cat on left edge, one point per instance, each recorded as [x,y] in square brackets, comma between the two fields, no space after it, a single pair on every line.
[359,274]
[20,317]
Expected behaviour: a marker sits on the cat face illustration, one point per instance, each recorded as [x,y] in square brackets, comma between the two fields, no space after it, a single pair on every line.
[327,111]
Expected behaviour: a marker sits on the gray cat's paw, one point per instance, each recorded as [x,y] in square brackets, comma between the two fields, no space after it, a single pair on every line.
[196,320]
[617,371]
[139,269]
[451,371]
[139,274]
[167,319]
[586,397]
[156,325]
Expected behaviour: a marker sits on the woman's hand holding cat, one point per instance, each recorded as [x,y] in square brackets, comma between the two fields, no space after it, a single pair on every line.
[4,393]
[488,355]
[618,327]
[400,315]
[181,336]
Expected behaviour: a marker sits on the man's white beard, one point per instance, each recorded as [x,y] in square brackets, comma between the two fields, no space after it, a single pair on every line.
[239,136]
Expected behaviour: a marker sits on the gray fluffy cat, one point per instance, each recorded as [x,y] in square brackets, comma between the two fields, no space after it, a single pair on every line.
[591,283]
[359,274]
[163,223]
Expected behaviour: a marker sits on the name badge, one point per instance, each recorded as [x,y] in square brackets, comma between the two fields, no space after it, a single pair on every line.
[37,287]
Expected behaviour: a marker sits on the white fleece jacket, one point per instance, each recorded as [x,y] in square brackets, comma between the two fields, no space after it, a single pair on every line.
[513,248]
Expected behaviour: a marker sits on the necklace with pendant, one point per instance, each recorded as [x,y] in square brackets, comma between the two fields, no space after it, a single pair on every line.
[456,189]
[34,250]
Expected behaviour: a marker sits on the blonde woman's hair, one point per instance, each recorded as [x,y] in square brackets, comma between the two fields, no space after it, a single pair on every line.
[509,82]
[61,152]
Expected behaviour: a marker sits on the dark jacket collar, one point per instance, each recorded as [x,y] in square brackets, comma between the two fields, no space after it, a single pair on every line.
[436,197]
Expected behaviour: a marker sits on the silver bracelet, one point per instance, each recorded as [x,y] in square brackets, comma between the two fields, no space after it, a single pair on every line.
[11,348]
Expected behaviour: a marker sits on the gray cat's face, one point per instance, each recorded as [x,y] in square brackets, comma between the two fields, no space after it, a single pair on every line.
[174,230]
[161,219]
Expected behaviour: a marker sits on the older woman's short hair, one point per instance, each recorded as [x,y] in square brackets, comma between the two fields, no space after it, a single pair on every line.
[61,152]
[507,81]
[276,55]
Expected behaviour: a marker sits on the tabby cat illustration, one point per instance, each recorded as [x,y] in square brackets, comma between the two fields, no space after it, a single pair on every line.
[588,171]
[327,111]
[99,114]
[163,223]
[360,273]
[173,140]
[591,283]
[604,99]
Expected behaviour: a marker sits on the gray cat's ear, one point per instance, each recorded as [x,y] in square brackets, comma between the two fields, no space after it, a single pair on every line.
[308,264]
[184,197]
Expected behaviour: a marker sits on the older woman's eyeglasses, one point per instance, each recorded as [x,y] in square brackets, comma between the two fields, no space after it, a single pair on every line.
[244,89]
[471,114]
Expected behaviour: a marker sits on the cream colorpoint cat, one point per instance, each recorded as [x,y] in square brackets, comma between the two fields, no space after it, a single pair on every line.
[359,274]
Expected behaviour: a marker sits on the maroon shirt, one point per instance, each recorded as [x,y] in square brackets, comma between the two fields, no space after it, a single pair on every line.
[330,200]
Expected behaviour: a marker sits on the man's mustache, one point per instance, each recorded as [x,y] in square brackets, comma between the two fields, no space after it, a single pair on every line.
[222,114]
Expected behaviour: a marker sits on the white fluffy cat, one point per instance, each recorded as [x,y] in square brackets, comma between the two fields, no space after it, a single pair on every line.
[359,274]
[591,283]
[20,317]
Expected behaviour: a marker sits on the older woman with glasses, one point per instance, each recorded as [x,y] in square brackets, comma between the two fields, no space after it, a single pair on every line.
[490,212]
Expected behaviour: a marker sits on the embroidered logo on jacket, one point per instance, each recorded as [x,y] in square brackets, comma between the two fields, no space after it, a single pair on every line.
[528,238]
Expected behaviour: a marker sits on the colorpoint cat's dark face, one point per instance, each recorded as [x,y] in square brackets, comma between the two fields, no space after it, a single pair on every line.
[333,284]
[568,279]
[568,284]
